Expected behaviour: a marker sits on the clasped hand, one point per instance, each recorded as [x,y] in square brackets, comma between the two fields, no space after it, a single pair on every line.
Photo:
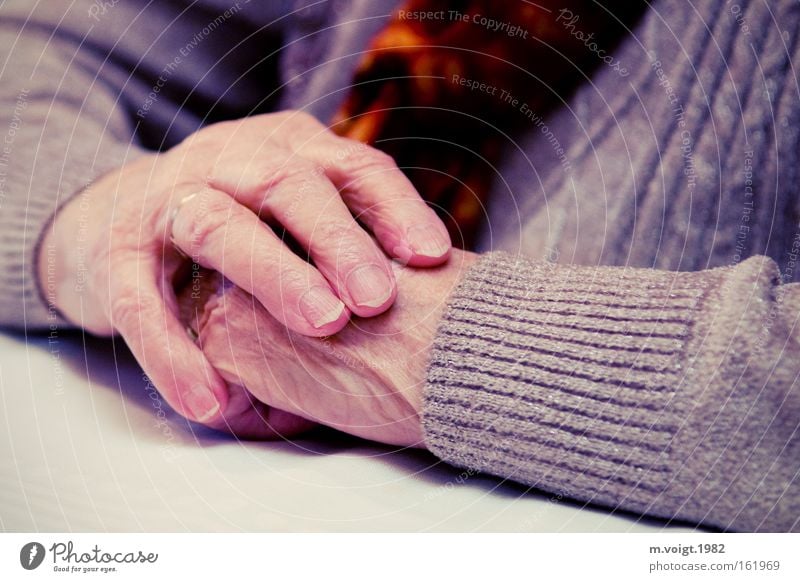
[276,204]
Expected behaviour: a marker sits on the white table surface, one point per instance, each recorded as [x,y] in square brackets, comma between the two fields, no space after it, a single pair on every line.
[84,450]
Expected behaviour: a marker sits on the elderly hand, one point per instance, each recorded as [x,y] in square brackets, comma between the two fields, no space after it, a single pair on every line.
[367,380]
[116,250]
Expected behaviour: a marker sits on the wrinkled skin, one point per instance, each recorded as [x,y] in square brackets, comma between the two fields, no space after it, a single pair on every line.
[110,259]
[367,380]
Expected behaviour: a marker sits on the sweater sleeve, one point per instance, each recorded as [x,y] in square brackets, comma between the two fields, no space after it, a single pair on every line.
[669,394]
[61,127]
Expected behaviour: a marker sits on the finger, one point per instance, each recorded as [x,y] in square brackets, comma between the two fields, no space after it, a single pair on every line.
[297,194]
[245,416]
[175,365]
[383,198]
[343,252]
[217,232]
[374,189]
[248,418]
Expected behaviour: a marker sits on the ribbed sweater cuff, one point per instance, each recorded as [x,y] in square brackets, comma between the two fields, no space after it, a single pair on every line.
[573,380]
[668,394]
[562,377]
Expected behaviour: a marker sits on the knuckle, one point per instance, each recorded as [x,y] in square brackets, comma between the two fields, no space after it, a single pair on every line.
[296,129]
[337,234]
[293,173]
[289,278]
[342,248]
[208,217]
[365,160]
[349,256]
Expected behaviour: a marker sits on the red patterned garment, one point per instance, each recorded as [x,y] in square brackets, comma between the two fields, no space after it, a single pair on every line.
[447,84]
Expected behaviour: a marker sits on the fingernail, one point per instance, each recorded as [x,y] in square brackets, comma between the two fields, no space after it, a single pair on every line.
[320,307]
[428,240]
[369,286]
[202,403]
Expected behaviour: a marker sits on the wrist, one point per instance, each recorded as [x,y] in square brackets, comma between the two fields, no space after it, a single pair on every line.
[61,258]
[66,256]
[423,297]
[367,380]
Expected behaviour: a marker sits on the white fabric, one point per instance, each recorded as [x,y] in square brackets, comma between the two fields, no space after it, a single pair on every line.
[84,450]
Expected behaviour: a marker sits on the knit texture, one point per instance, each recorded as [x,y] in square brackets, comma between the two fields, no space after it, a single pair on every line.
[689,162]
[670,394]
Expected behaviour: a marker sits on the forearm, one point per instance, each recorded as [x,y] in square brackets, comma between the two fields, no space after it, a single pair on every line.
[662,393]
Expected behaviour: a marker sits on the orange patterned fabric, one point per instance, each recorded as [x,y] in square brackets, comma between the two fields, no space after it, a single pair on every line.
[447,83]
